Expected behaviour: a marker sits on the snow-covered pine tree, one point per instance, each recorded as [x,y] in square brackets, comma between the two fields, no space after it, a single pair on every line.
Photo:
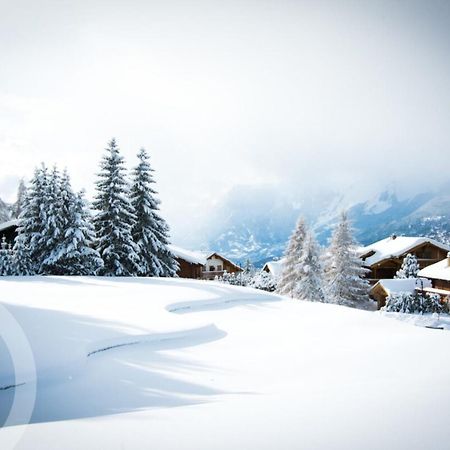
[310,283]
[289,275]
[150,232]
[28,250]
[5,258]
[74,253]
[54,224]
[115,217]
[344,273]
[17,207]
[410,267]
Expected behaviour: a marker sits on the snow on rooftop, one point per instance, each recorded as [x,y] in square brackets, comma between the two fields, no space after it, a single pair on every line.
[395,246]
[437,271]
[275,267]
[402,284]
[188,255]
[10,223]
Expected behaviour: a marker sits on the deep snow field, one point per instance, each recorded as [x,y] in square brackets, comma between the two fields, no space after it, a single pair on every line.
[179,364]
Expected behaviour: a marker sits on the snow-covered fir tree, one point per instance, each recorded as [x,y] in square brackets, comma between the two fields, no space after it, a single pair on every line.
[344,273]
[264,281]
[73,254]
[290,273]
[17,207]
[29,250]
[150,231]
[310,282]
[6,267]
[410,267]
[53,226]
[115,217]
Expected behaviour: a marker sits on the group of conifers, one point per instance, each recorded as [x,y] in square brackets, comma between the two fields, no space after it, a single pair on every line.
[58,234]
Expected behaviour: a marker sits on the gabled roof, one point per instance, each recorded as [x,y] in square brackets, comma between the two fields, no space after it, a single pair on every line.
[9,224]
[437,271]
[401,284]
[394,247]
[274,267]
[223,259]
[187,255]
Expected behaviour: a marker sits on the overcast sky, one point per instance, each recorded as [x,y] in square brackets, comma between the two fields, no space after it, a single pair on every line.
[292,93]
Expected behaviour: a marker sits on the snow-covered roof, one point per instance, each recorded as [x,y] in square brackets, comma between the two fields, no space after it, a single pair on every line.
[394,247]
[274,267]
[437,271]
[10,223]
[188,255]
[401,284]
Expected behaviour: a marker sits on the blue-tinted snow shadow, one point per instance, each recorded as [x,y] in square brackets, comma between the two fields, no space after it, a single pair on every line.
[120,380]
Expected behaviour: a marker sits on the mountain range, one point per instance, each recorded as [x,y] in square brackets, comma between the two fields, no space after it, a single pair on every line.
[255,222]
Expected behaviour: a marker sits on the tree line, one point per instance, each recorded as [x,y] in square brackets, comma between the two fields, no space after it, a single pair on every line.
[58,234]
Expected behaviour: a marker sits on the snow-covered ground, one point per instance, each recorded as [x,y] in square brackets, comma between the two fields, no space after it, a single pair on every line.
[179,364]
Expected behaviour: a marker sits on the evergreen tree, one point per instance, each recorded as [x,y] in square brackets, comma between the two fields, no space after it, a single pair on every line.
[115,218]
[309,284]
[290,273]
[21,193]
[73,254]
[344,272]
[150,231]
[410,267]
[53,225]
[28,249]
[5,258]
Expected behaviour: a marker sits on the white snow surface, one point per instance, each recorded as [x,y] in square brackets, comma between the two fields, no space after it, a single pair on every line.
[391,247]
[211,366]
[437,271]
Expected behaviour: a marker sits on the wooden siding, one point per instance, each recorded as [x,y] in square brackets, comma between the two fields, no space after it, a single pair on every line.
[426,254]
[189,270]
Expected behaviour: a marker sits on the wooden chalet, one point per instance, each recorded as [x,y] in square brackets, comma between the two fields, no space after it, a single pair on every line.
[439,275]
[384,258]
[9,230]
[191,263]
[216,265]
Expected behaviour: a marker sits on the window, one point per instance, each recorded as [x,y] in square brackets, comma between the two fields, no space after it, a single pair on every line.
[211,268]
[219,268]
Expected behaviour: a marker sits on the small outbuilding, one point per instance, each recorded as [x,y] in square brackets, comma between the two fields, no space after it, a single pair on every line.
[381,290]
[274,267]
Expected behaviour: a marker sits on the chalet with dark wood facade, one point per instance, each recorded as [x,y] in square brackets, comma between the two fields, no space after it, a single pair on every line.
[384,258]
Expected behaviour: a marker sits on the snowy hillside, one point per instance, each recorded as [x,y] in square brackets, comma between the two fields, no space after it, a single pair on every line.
[165,364]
